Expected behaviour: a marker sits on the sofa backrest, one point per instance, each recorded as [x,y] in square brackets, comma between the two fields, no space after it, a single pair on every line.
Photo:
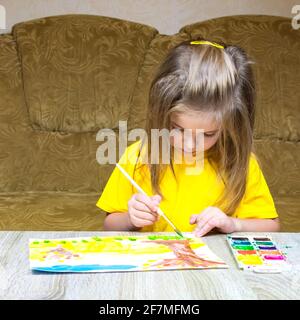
[80,72]
[63,78]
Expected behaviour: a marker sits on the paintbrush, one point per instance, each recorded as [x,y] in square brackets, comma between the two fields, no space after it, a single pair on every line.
[159,211]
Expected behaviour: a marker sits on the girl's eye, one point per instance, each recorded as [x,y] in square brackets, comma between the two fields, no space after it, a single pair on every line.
[177,129]
[209,135]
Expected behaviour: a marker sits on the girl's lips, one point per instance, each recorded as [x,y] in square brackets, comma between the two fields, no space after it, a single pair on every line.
[189,152]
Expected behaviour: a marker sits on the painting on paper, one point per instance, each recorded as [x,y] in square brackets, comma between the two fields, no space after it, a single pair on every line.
[123,253]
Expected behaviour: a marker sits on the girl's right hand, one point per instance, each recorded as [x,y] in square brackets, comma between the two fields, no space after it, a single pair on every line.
[142,209]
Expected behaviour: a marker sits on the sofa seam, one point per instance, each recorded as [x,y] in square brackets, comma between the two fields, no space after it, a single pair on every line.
[15,37]
[49,192]
[139,73]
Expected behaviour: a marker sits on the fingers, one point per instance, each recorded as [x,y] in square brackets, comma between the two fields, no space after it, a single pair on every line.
[156,197]
[203,219]
[141,214]
[206,221]
[143,209]
[140,222]
[148,201]
[210,218]
[193,218]
[205,228]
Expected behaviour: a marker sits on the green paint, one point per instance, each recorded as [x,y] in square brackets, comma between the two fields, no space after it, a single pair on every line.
[243,247]
[35,242]
[97,239]
[165,237]
[264,243]
[118,238]
[85,241]
[63,242]
[74,241]
[132,239]
[47,241]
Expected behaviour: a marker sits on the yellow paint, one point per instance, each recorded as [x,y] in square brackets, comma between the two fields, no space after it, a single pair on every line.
[105,245]
[249,259]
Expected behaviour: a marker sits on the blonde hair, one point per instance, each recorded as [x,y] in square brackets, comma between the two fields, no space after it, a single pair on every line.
[219,80]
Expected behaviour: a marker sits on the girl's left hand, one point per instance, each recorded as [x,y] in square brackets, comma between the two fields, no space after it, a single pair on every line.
[212,217]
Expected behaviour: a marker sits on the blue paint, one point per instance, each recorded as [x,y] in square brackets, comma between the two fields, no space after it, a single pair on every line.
[239,242]
[84,267]
[267,248]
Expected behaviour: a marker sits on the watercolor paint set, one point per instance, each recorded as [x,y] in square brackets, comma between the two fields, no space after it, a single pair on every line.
[257,253]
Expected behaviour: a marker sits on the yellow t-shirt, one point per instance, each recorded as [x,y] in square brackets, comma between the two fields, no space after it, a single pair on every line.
[187,195]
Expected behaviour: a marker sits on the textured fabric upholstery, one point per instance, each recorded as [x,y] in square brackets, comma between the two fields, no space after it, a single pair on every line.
[63,78]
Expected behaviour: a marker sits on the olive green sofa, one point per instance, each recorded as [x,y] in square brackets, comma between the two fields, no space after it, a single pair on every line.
[63,78]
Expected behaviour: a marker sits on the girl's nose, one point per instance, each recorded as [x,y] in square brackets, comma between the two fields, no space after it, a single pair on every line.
[189,141]
[193,141]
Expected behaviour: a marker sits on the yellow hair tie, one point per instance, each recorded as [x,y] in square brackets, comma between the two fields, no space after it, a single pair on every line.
[207,42]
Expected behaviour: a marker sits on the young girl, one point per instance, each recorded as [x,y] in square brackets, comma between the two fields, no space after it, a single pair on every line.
[200,85]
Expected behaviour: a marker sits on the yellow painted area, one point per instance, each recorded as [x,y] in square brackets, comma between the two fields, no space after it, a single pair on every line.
[60,248]
[195,245]
[250,259]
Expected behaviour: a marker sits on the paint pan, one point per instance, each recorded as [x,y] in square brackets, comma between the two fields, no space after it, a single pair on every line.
[264,243]
[261,239]
[257,253]
[239,239]
[267,247]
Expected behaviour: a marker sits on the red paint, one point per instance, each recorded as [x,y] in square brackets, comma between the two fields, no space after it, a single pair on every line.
[246,251]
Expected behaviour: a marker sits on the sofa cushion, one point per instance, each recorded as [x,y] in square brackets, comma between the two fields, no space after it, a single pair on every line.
[16,151]
[289,212]
[80,71]
[280,163]
[38,160]
[50,211]
[274,46]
